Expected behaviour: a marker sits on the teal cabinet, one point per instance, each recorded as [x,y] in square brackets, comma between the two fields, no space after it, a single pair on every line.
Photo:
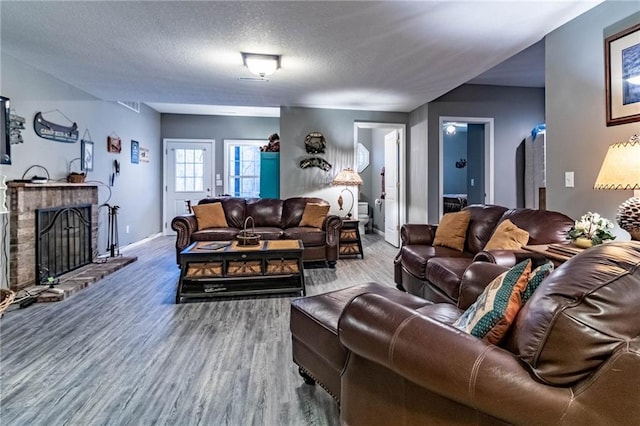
[269,175]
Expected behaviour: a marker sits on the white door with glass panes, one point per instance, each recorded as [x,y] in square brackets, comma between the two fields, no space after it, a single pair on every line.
[188,176]
[242,167]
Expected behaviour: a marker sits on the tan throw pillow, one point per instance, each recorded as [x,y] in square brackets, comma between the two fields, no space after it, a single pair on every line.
[210,215]
[507,236]
[314,215]
[452,230]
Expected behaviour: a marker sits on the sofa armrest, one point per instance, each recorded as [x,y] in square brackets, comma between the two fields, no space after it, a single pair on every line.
[412,233]
[508,258]
[184,225]
[332,225]
[475,279]
[447,361]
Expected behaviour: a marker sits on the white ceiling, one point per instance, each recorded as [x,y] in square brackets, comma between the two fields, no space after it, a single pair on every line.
[180,56]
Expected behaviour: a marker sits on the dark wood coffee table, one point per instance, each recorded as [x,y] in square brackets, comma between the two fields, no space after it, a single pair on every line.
[219,268]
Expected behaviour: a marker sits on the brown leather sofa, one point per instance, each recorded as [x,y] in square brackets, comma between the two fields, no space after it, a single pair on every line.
[434,272]
[572,356]
[273,219]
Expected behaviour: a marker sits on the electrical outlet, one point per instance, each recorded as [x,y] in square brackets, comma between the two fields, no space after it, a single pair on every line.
[568,179]
[473,182]
[126,229]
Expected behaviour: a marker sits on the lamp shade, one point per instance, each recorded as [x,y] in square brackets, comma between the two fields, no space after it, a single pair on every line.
[348,177]
[621,166]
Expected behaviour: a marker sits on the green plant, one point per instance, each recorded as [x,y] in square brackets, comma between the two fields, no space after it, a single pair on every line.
[593,227]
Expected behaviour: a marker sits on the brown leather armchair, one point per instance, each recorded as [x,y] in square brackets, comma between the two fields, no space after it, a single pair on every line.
[572,357]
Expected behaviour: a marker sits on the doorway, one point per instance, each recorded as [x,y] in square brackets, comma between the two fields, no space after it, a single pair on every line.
[188,176]
[384,188]
[466,177]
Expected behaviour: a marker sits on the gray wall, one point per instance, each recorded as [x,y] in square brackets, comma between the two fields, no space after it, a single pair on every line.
[419,162]
[454,148]
[366,190]
[138,188]
[515,110]
[219,128]
[577,135]
[337,127]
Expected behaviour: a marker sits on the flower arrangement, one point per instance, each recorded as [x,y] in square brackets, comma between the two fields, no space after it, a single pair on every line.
[592,227]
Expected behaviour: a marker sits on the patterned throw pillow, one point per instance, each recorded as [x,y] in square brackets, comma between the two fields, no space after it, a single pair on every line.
[314,214]
[452,230]
[507,236]
[491,315]
[210,215]
[535,278]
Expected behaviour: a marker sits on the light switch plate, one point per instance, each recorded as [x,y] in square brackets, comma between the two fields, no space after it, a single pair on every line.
[568,179]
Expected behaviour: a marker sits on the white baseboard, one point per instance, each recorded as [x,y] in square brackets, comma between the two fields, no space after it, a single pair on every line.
[142,241]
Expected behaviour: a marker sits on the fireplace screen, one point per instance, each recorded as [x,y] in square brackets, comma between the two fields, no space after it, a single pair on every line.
[63,240]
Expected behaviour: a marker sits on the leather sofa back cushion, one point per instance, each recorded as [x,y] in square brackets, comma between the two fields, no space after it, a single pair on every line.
[266,212]
[294,207]
[543,226]
[507,236]
[452,230]
[580,313]
[233,209]
[314,215]
[210,215]
[483,221]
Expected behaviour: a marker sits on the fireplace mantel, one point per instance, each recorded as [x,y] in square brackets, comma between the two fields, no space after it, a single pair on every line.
[24,200]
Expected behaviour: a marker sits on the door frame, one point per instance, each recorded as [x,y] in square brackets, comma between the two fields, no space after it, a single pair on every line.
[165,141]
[402,161]
[488,155]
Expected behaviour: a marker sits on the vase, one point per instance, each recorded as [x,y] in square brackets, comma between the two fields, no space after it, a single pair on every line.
[583,242]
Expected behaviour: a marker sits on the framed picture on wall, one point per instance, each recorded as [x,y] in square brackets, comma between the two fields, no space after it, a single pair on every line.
[622,76]
[135,152]
[86,153]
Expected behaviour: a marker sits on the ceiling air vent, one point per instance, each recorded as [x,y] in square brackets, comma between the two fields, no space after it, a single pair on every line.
[133,106]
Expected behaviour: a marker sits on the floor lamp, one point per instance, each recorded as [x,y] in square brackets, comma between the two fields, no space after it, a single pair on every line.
[621,170]
[347,177]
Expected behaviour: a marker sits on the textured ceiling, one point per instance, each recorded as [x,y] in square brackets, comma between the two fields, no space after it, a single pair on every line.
[385,56]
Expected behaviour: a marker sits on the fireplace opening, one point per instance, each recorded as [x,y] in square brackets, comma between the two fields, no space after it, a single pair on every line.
[63,241]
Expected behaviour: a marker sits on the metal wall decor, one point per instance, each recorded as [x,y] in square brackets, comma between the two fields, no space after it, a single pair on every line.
[321,163]
[55,132]
[315,143]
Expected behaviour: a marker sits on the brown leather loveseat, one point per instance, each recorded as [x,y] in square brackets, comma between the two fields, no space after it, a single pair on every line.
[272,219]
[572,356]
[434,272]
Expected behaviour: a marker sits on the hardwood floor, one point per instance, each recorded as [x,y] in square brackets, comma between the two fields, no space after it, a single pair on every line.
[122,353]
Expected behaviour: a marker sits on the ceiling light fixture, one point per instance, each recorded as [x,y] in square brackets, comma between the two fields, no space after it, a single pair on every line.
[451,129]
[261,65]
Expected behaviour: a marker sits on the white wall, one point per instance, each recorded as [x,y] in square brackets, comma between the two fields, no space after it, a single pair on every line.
[137,190]
[577,135]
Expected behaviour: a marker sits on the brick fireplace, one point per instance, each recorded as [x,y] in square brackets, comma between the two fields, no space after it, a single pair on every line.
[25,199]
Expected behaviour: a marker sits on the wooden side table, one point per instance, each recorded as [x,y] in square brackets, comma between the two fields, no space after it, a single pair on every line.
[350,242]
[557,253]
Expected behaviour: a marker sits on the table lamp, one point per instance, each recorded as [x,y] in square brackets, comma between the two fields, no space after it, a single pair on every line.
[621,171]
[347,177]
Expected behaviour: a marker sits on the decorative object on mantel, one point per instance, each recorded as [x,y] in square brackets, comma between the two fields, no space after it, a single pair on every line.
[16,126]
[114,143]
[75,177]
[55,132]
[347,177]
[592,229]
[621,171]
[35,178]
[321,163]
[315,143]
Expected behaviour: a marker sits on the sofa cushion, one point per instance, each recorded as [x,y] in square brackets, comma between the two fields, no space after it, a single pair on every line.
[314,215]
[543,226]
[446,273]
[452,230]
[414,257]
[215,234]
[233,209]
[268,233]
[587,307]
[294,207]
[482,222]
[210,215]
[310,236]
[490,317]
[266,212]
[535,278]
[507,236]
